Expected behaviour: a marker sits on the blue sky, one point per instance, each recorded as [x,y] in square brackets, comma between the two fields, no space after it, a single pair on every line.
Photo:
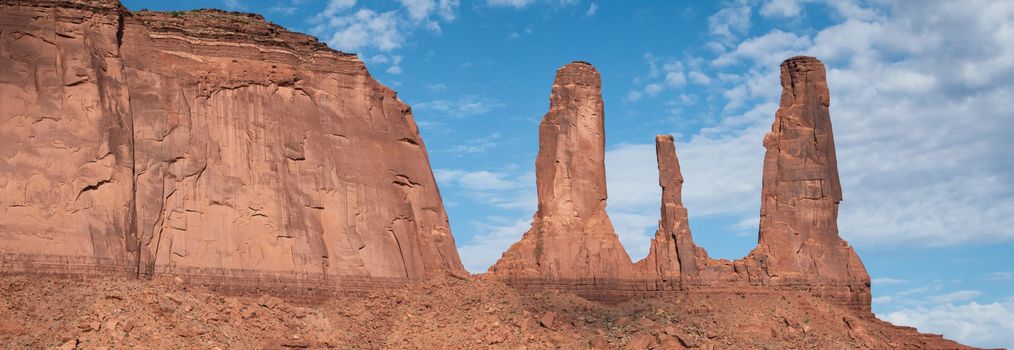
[921,105]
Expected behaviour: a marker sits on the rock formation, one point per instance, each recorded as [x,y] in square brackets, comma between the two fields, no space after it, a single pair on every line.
[799,242]
[208,144]
[673,255]
[799,247]
[571,235]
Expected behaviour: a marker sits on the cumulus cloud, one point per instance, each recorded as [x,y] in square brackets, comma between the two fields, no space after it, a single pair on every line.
[501,189]
[728,23]
[699,78]
[984,325]
[768,49]
[363,30]
[782,8]
[670,75]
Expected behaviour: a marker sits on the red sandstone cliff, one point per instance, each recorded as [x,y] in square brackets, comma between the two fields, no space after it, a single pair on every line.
[209,144]
[799,246]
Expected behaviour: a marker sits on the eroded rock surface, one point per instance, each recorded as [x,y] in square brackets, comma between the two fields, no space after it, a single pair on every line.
[799,247]
[571,235]
[799,242]
[673,256]
[208,144]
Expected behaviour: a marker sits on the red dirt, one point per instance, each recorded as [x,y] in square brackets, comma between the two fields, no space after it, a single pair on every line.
[443,313]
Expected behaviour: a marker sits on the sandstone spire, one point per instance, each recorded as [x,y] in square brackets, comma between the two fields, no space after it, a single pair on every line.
[799,241]
[673,253]
[571,235]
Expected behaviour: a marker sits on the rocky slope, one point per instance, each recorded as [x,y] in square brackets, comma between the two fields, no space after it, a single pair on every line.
[442,313]
[572,245]
[206,144]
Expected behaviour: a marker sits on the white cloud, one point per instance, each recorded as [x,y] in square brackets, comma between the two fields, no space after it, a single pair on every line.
[767,50]
[883,299]
[336,6]
[1000,276]
[782,8]
[887,281]
[671,73]
[500,189]
[699,78]
[728,23]
[284,10]
[676,79]
[633,96]
[421,11]
[634,195]
[481,180]
[395,65]
[984,325]
[490,240]
[652,89]
[363,30]
[961,295]
[436,87]
[592,10]
[477,145]
[510,3]
[464,106]
[233,5]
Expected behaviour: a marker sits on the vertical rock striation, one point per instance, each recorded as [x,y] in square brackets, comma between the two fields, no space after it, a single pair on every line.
[65,137]
[208,144]
[571,236]
[798,242]
[673,256]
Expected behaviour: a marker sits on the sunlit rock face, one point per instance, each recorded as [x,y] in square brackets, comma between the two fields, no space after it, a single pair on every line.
[572,245]
[206,144]
[571,236]
[799,242]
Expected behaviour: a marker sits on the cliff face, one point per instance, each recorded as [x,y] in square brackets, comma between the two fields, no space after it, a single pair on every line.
[799,246]
[209,144]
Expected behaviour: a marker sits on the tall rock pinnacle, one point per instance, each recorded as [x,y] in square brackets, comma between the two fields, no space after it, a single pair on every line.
[673,254]
[799,238]
[571,235]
